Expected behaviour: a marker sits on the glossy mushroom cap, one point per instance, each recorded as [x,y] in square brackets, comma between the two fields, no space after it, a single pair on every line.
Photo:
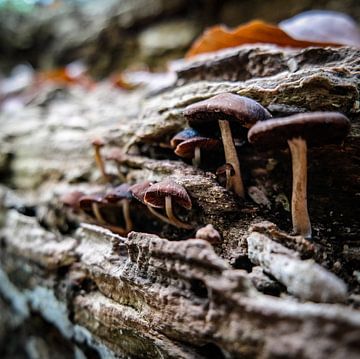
[317,128]
[118,193]
[184,135]
[85,202]
[155,195]
[323,26]
[186,148]
[138,190]
[226,106]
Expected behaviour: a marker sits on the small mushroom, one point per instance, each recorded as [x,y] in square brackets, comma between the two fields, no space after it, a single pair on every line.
[192,148]
[122,195]
[97,144]
[184,135]
[138,191]
[298,132]
[165,194]
[91,203]
[227,110]
[72,199]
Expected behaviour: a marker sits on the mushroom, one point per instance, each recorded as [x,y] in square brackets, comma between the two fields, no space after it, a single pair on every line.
[138,191]
[91,203]
[97,144]
[71,199]
[122,195]
[163,195]
[184,135]
[227,110]
[192,148]
[298,132]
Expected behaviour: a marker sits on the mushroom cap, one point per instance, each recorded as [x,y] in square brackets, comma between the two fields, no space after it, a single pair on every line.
[239,110]
[155,195]
[184,135]
[98,142]
[85,202]
[138,190]
[186,148]
[71,199]
[118,193]
[317,128]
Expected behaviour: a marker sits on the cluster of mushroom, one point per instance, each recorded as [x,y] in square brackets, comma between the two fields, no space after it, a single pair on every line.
[104,207]
[231,114]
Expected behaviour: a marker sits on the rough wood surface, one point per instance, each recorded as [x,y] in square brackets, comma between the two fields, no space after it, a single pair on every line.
[158,293]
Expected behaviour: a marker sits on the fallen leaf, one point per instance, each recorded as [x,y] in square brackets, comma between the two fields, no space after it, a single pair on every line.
[220,37]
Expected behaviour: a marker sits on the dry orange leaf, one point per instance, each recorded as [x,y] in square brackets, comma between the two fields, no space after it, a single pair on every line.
[219,37]
[62,76]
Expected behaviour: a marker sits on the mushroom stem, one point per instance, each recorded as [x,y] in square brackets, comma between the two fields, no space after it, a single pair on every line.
[231,157]
[126,213]
[169,212]
[97,213]
[197,157]
[158,215]
[100,162]
[299,210]
[228,177]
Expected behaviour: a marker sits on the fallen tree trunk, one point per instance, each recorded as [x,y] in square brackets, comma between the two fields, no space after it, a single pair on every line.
[86,291]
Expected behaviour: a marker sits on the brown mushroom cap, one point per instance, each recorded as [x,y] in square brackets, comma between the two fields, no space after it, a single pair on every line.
[186,148]
[155,195]
[118,193]
[138,190]
[241,110]
[98,142]
[184,135]
[85,202]
[317,128]
[71,199]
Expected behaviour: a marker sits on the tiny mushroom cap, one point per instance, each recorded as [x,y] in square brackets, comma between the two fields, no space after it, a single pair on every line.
[156,194]
[226,106]
[71,199]
[98,142]
[317,128]
[186,149]
[118,193]
[87,201]
[184,135]
[138,190]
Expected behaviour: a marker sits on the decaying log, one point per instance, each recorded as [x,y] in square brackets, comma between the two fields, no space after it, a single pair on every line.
[150,295]
[157,293]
